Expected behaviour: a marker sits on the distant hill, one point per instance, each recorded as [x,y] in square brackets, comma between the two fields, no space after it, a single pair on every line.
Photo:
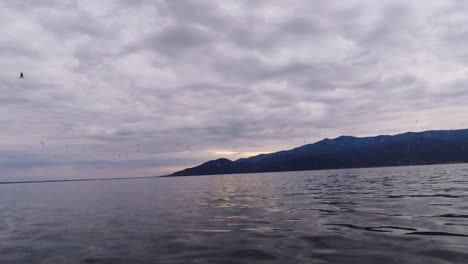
[420,148]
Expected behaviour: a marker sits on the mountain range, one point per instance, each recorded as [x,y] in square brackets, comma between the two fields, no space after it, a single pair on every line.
[411,148]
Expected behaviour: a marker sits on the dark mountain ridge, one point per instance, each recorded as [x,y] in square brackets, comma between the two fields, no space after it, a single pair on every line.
[411,148]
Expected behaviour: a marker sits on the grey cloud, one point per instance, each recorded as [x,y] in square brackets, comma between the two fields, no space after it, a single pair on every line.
[74,21]
[130,84]
[19,161]
[9,49]
[301,26]
[201,13]
[178,39]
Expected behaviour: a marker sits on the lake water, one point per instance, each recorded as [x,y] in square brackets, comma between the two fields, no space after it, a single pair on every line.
[381,215]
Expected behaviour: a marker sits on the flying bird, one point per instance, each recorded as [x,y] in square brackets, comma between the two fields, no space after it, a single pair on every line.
[21,75]
[42,143]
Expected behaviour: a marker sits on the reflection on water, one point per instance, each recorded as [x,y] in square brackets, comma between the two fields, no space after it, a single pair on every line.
[383,215]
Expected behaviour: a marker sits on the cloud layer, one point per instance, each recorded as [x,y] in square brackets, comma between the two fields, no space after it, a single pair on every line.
[132,88]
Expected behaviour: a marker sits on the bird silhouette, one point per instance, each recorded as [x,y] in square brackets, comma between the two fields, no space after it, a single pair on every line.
[21,75]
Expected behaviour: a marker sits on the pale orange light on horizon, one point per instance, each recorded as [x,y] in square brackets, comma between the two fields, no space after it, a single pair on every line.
[239,154]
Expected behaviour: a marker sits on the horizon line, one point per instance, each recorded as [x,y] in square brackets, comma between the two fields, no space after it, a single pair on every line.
[78,180]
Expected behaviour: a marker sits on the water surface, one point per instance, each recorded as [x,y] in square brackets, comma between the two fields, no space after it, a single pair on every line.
[381,215]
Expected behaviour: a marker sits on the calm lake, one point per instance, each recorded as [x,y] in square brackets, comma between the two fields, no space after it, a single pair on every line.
[381,215]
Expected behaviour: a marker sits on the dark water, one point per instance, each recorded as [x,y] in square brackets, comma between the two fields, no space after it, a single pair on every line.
[384,215]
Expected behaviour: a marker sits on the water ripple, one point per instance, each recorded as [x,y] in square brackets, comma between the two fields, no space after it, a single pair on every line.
[357,216]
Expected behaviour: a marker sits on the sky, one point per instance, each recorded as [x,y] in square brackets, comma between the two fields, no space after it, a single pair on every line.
[118,88]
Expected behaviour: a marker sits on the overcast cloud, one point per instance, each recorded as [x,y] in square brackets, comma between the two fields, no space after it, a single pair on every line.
[137,88]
